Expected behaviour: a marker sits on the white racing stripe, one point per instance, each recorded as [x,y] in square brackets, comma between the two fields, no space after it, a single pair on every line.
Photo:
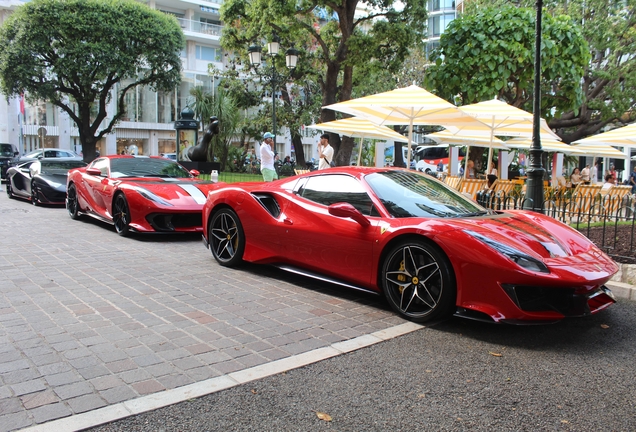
[194,192]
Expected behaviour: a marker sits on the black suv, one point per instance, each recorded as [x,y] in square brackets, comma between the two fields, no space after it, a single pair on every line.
[8,152]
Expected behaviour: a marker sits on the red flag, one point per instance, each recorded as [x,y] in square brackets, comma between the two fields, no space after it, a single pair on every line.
[21,105]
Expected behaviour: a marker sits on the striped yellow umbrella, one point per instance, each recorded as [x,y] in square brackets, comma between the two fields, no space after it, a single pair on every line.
[621,137]
[357,127]
[405,106]
[600,151]
[547,145]
[446,137]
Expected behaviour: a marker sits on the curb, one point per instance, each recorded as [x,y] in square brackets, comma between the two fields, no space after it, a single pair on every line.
[622,290]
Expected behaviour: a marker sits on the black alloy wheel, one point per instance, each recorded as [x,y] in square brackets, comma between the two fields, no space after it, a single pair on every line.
[72,205]
[226,238]
[418,281]
[34,194]
[121,215]
[9,191]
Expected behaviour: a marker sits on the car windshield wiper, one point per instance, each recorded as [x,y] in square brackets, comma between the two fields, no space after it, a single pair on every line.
[479,213]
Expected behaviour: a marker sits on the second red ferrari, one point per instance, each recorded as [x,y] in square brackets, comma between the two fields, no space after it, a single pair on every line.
[138,194]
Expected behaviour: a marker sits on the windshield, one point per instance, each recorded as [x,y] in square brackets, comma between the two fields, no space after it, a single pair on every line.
[61,167]
[147,167]
[411,194]
[6,150]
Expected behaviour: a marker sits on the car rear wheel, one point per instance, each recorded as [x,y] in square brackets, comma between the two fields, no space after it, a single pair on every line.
[226,238]
[418,281]
[121,215]
[72,205]
[34,195]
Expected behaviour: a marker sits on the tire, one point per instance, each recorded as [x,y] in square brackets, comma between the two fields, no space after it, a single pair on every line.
[72,204]
[418,281]
[34,195]
[226,238]
[121,215]
[9,191]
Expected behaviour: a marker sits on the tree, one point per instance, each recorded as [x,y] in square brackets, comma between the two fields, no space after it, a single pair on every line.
[334,37]
[75,53]
[491,53]
[609,81]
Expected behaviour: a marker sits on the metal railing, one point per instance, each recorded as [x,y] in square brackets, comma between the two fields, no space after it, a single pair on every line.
[199,27]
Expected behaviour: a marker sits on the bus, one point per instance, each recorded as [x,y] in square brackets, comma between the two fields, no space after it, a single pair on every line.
[427,158]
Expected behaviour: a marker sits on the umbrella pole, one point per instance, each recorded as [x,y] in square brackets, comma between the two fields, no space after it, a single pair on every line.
[408,153]
[466,161]
[360,150]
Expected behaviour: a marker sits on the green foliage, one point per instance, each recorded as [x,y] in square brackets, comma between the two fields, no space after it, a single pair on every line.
[73,53]
[229,115]
[490,53]
[333,44]
[609,82]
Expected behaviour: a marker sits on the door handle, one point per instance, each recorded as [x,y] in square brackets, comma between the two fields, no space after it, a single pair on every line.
[287,221]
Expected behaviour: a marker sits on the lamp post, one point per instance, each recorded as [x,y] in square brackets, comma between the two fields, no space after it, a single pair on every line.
[291,58]
[534,188]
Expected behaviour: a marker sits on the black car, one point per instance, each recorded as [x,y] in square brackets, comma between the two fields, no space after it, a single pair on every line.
[8,152]
[41,181]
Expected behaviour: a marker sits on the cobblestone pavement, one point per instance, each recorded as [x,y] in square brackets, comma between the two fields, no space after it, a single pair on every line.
[89,319]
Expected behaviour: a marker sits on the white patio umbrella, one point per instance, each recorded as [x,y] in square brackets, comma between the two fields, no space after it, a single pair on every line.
[406,106]
[504,120]
[620,137]
[547,145]
[357,127]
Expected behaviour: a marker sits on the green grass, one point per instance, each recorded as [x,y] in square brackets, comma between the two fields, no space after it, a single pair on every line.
[232,177]
[601,223]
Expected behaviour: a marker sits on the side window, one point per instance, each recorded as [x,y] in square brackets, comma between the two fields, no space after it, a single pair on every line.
[102,165]
[330,189]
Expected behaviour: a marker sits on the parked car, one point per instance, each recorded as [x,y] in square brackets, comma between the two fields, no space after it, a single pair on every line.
[172,156]
[8,152]
[138,194]
[47,153]
[41,181]
[430,250]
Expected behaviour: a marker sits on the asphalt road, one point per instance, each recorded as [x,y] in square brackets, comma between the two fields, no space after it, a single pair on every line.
[577,375]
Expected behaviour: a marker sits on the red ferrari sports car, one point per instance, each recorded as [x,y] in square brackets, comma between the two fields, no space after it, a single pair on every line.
[138,193]
[430,250]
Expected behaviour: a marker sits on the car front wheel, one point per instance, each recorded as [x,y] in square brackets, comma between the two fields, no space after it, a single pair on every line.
[418,281]
[121,215]
[9,191]
[72,205]
[34,195]
[226,238]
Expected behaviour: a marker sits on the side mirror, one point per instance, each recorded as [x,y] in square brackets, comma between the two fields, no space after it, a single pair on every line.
[346,210]
[16,154]
[195,172]
[93,171]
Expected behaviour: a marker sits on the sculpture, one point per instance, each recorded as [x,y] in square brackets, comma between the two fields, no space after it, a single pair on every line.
[199,152]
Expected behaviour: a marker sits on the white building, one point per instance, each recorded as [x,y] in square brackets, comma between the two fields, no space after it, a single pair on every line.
[150,115]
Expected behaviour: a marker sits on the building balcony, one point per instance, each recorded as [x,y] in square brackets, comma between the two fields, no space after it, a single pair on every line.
[200,28]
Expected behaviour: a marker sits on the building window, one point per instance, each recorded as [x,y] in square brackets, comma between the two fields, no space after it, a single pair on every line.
[208,53]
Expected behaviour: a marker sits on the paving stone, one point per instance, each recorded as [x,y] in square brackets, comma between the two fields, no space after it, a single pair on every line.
[27,387]
[147,387]
[14,421]
[35,400]
[106,382]
[86,403]
[118,394]
[50,412]
[63,378]
[73,390]
[10,405]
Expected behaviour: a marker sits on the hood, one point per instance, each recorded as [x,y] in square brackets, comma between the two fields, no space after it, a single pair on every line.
[175,191]
[535,234]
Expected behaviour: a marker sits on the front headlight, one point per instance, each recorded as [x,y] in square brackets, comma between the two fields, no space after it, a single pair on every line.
[152,197]
[520,258]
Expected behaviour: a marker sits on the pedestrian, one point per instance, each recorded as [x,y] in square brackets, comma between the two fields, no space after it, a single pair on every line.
[614,174]
[267,158]
[325,152]
[585,174]
[594,173]
[632,180]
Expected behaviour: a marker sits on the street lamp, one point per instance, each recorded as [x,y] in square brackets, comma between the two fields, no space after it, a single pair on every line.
[291,58]
[534,188]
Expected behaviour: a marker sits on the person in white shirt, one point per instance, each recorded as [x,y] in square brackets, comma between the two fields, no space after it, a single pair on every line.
[325,152]
[267,158]
[585,174]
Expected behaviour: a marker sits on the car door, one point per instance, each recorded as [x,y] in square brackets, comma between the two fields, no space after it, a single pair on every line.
[328,244]
[98,188]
